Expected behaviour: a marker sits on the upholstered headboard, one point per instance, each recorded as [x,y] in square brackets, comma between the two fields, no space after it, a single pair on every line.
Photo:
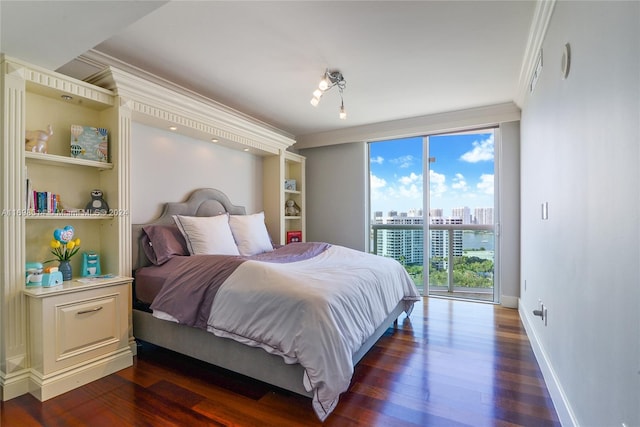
[201,202]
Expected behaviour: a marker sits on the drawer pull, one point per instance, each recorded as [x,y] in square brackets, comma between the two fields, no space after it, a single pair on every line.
[90,311]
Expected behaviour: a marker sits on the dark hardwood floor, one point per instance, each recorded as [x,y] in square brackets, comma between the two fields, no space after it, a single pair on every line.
[453,363]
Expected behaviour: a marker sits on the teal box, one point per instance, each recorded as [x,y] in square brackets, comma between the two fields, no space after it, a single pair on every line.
[90,143]
[51,279]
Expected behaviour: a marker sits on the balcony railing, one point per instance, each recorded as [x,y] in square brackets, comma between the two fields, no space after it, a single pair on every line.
[470,275]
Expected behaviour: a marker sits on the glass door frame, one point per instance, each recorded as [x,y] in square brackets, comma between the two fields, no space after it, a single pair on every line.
[427,160]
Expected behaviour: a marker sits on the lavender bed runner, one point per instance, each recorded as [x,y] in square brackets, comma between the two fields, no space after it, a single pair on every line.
[190,289]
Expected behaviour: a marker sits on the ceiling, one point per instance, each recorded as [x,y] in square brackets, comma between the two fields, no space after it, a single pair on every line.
[265,58]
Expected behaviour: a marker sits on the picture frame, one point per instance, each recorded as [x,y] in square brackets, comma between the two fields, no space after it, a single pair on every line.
[294,236]
[290,185]
[89,143]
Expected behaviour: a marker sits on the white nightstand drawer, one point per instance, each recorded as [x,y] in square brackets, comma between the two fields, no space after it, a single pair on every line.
[76,327]
[84,326]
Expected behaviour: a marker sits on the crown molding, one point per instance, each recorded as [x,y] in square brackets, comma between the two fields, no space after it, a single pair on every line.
[453,121]
[160,103]
[538,30]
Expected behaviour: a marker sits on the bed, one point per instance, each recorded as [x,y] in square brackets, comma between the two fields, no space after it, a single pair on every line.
[282,315]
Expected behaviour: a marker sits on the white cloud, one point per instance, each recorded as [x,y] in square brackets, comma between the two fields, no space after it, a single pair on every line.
[486,183]
[438,183]
[411,187]
[379,160]
[406,180]
[377,188]
[376,182]
[401,194]
[482,151]
[459,183]
[411,192]
[403,161]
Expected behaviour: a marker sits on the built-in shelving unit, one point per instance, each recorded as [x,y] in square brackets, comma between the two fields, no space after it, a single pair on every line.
[277,171]
[34,99]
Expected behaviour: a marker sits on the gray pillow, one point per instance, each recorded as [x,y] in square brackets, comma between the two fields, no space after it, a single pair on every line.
[162,242]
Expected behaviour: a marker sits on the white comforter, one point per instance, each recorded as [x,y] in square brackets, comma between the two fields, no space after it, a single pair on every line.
[315,312]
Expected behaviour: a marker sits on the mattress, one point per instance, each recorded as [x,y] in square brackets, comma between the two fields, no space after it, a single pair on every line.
[149,281]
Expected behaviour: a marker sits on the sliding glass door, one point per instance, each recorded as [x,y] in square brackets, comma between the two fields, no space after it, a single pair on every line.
[433,209]
[461,206]
[396,194]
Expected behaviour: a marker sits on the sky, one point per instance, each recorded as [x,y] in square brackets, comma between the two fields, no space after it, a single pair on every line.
[462,174]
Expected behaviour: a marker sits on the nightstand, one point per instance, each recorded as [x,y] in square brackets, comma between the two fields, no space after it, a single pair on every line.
[78,332]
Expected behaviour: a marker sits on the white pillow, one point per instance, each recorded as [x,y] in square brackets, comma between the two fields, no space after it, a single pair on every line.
[207,235]
[250,234]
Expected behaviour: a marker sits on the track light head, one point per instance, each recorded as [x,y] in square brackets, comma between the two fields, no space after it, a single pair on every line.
[329,80]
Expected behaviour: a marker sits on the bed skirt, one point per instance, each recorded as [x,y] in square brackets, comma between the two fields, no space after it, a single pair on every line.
[228,354]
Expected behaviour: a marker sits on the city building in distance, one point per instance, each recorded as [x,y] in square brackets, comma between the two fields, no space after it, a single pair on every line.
[399,235]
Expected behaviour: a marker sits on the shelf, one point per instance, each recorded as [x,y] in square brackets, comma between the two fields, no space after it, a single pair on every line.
[292,217]
[292,192]
[74,216]
[53,159]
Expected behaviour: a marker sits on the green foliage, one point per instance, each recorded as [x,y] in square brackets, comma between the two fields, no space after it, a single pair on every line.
[468,271]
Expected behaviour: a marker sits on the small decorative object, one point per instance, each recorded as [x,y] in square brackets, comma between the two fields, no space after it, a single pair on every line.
[291,208]
[97,203]
[90,264]
[63,247]
[36,140]
[89,143]
[66,270]
[51,277]
[294,236]
[33,274]
[290,184]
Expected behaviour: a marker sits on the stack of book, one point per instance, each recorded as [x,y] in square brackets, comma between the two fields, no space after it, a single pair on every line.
[43,202]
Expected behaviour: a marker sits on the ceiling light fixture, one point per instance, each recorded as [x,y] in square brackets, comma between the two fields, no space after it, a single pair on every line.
[329,80]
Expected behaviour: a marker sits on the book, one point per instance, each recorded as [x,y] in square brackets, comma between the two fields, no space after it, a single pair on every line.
[294,236]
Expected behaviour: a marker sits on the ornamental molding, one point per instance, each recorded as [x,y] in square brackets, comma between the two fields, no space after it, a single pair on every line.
[160,103]
[41,80]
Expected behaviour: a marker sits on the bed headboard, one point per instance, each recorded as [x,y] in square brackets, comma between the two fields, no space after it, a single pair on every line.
[201,202]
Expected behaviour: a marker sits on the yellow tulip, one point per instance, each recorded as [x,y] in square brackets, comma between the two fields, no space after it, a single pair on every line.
[71,245]
[78,242]
[55,244]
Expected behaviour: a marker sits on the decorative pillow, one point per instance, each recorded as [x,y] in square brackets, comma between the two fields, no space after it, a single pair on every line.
[250,234]
[207,235]
[163,242]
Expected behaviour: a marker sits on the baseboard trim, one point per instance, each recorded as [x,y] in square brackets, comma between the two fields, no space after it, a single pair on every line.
[14,385]
[43,388]
[559,398]
[509,301]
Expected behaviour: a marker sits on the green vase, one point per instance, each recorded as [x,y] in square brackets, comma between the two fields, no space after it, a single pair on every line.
[65,268]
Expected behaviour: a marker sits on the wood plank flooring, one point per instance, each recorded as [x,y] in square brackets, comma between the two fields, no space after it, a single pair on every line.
[453,363]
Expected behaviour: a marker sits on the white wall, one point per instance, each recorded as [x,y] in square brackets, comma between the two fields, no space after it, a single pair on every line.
[580,153]
[166,167]
[336,197]
[508,264]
